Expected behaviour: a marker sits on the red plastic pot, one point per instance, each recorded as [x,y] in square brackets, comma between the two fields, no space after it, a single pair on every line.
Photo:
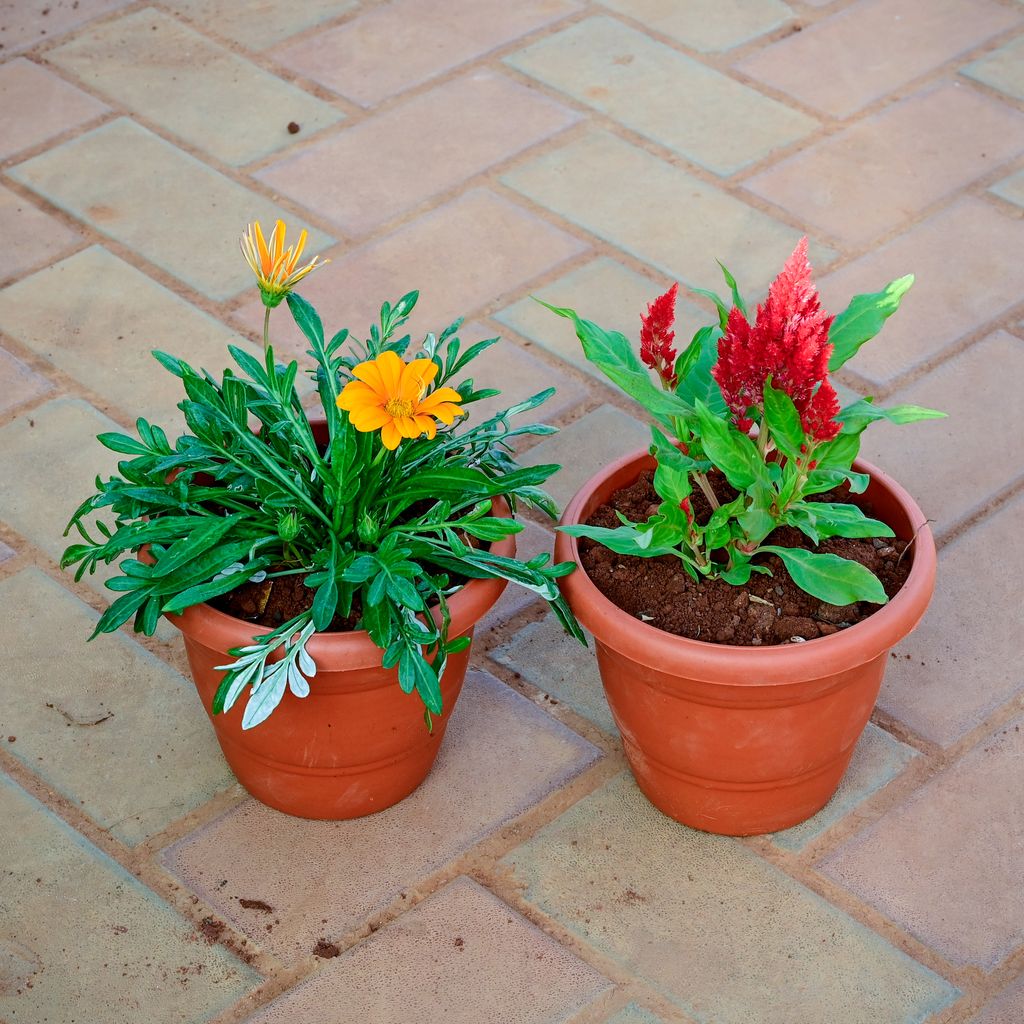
[743,740]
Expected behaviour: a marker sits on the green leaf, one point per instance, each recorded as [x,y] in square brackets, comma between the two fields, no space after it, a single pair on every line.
[414,671]
[672,477]
[838,454]
[723,309]
[120,612]
[856,416]
[731,452]
[693,368]
[821,480]
[829,578]
[838,519]
[737,299]
[624,540]
[203,537]
[325,603]
[783,422]
[863,318]
[306,319]
[122,443]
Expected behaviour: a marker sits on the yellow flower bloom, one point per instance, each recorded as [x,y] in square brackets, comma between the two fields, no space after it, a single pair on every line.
[276,268]
[390,395]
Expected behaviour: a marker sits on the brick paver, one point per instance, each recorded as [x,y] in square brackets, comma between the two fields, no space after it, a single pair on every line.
[31,237]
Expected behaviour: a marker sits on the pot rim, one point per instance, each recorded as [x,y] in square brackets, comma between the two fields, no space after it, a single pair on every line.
[744,666]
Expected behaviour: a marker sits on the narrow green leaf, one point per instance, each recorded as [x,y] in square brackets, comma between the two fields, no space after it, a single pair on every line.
[856,416]
[863,318]
[306,319]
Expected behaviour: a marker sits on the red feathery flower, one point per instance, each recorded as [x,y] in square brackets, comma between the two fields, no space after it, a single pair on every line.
[788,342]
[656,336]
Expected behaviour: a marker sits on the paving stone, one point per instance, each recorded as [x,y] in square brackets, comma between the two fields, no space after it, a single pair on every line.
[530,542]
[122,735]
[397,45]
[30,236]
[98,319]
[602,291]
[1011,188]
[963,661]
[707,25]
[6,552]
[355,868]
[122,954]
[142,191]
[492,117]
[1006,1008]
[461,955]
[546,656]
[867,179]
[675,222]
[710,925]
[585,446]
[1003,69]
[633,1014]
[491,247]
[38,105]
[961,835]
[950,297]
[25,26]
[670,98]
[877,759]
[275,21]
[156,66]
[18,383]
[871,47]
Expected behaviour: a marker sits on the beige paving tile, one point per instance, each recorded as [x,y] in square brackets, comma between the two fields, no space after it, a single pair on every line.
[699,918]
[1003,69]
[259,24]
[397,45]
[869,178]
[149,195]
[38,105]
[868,49]
[950,298]
[18,383]
[462,956]
[1011,188]
[348,870]
[1006,1008]
[84,940]
[670,98]
[962,835]
[963,661]
[24,25]
[633,1014]
[675,222]
[156,66]
[120,734]
[98,319]
[707,25]
[30,236]
[491,247]
[492,117]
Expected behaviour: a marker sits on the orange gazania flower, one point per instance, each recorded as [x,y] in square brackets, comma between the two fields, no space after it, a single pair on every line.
[390,395]
[276,268]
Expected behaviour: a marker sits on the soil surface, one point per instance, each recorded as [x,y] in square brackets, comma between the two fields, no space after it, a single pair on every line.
[277,600]
[767,610]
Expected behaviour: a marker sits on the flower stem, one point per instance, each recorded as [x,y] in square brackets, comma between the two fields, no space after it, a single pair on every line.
[705,486]
[266,330]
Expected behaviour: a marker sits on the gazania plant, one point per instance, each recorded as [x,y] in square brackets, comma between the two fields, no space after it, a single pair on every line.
[370,519]
[750,398]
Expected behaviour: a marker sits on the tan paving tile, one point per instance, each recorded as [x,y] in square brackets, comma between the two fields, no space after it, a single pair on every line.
[698,917]
[325,877]
[670,98]
[707,25]
[1006,1008]
[491,247]
[30,236]
[634,1014]
[950,298]
[260,25]
[149,195]
[461,955]
[24,25]
[1003,69]
[156,66]
[400,44]
[492,117]
[98,319]
[18,383]
[122,735]
[675,222]
[868,49]
[1011,188]
[867,179]
[964,659]
[84,940]
[38,105]
[962,835]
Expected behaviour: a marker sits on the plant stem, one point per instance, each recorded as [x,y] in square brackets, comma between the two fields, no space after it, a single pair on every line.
[266,330]
[702,483]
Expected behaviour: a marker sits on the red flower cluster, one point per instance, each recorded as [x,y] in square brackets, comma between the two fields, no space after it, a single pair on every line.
[788,342]
[656,337]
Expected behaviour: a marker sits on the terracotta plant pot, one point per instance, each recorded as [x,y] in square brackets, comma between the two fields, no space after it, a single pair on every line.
[743,740]
[356,744]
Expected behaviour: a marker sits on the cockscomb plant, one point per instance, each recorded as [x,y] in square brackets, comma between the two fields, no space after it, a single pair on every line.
[384,513]
[735,375]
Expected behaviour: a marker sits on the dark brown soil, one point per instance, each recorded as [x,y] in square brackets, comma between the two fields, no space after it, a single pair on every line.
[265,908]
[326,950]
[767,610]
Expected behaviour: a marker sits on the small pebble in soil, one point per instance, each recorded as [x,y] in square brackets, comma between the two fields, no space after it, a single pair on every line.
[294,127]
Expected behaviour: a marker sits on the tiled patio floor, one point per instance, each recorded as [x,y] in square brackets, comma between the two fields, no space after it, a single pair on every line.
[483,151]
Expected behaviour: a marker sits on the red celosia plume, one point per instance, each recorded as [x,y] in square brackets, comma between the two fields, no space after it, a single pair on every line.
[656,336]
[788,341]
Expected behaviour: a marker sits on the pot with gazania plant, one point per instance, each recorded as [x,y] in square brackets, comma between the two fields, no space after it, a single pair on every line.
[746,577]
[326,571]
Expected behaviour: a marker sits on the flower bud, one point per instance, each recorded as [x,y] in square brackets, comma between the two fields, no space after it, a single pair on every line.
[288,525]
[368,529]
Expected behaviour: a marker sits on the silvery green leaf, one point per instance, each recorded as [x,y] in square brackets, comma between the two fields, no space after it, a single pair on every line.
[229,570]
[258,577]
[234,691]
[266,696]
[296,681]
[306,663]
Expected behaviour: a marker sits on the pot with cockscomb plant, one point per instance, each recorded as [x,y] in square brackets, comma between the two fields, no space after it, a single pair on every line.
[326,570]
[745,577]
